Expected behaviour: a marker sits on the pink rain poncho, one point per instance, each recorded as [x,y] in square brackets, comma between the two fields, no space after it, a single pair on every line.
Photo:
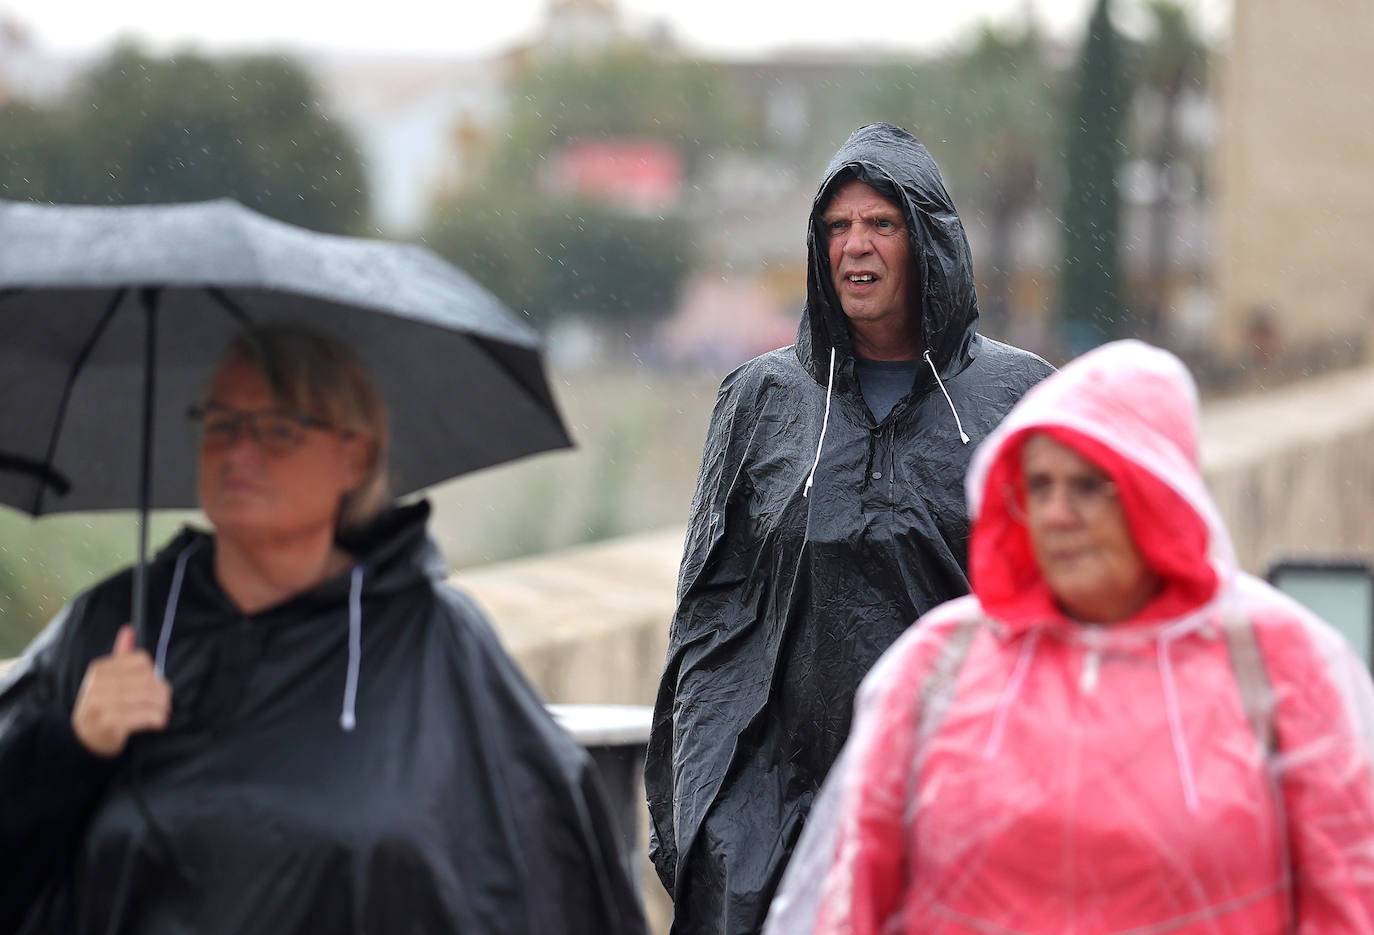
[1202,767]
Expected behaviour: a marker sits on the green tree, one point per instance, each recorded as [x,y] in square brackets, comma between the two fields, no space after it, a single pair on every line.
[33,152]
[1009,94]
[989,113]
[1090,294]
[140,129]
[1174,59]
[44,562]
[548,258]
[622,94]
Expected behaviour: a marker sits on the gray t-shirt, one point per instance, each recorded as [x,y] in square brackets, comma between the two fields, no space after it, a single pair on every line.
[884,382]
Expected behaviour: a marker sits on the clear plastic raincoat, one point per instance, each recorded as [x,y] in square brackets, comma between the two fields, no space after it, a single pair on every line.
[1202,767]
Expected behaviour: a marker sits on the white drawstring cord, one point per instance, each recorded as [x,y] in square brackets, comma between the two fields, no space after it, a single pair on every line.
[963,436]
[825,424]
[347,718]
[1018,676]
[164,637]
[1185,763]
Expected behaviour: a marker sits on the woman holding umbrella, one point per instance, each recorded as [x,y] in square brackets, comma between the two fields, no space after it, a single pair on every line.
[324,736]
[1117,731]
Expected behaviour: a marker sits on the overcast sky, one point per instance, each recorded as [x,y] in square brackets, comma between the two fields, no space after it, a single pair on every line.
[474,27]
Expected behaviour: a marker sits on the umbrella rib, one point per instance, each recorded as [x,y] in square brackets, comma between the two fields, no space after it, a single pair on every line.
[75,372]
[22,465]
[229,305]
[532,390]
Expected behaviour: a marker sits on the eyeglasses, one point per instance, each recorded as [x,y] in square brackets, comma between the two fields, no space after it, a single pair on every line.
[1087,497]
[278,432]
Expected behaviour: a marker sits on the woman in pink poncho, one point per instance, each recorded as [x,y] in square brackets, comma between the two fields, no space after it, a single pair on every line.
[1118,731]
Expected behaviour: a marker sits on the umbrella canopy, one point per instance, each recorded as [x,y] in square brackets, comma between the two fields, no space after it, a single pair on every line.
[81,285]
[111,319]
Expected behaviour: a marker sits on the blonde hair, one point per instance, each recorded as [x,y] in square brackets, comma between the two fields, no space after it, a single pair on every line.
[320,376]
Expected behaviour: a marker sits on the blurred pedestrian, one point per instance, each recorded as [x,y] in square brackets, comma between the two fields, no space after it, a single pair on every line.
[1117,731]
[325,736]
[828,515]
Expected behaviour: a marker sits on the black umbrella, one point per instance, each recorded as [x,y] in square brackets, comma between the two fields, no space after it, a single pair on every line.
[112,317]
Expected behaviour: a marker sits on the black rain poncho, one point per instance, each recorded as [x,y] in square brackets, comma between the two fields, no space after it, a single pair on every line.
[454,805]
[786,599]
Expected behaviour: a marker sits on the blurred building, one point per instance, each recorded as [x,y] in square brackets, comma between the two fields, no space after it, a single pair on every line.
[423,126]
[582,25]
[1296,190]
[722,321]
[642,176]
[29,73]
[426,127]
[589,28]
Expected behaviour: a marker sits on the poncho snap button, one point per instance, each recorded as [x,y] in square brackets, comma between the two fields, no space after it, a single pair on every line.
[877,475]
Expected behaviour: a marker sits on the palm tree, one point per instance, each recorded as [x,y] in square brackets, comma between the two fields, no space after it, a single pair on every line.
[990,114]
[1174,60]
[1090,293]
[1012,90]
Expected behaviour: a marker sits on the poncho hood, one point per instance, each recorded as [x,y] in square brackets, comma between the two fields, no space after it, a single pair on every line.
[394,552]
[1131,409]
[895,163]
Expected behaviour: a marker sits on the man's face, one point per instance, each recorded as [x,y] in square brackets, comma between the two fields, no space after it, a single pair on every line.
[870,254]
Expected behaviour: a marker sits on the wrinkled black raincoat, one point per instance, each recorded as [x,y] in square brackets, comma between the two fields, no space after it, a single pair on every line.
[455,805]
[785,599]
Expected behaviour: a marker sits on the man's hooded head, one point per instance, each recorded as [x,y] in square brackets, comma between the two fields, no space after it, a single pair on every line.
[873,267]
[893,164]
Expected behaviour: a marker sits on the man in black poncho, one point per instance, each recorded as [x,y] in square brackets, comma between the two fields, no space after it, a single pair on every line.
[828,515]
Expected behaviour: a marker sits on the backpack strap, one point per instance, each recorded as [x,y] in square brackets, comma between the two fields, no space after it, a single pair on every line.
[937,688]
[1252,681]
[1257,699]
[936,693]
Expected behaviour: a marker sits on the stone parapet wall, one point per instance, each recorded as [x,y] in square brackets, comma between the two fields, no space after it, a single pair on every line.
[588,625]
[1291,470]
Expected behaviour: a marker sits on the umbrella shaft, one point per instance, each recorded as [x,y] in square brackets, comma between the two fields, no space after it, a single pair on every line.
[145,468]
